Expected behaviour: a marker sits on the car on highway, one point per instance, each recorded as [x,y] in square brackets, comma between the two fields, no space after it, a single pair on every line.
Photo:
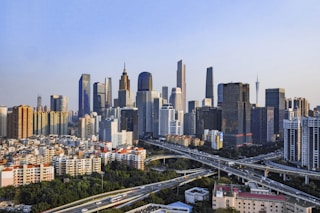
[84,210]
[98,202]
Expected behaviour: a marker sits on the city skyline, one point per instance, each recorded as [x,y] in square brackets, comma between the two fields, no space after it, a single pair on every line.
[46,46]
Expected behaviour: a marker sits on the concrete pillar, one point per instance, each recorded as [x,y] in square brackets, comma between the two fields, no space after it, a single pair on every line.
[284,176]
[306,179]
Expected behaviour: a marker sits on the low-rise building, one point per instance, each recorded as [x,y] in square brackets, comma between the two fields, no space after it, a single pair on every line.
[196,194]
[26,174]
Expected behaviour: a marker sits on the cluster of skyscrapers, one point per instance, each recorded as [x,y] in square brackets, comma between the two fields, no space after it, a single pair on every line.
[125,119]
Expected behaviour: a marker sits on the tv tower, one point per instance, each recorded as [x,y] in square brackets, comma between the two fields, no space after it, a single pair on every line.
[257,91]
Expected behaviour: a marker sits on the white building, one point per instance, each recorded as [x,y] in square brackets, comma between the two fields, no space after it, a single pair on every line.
[3,121]
[76,165]
[196,194]
[292,139]
[215,137]
[166,115]
[311,143]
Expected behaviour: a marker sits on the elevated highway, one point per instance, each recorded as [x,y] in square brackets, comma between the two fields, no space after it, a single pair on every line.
[223,164]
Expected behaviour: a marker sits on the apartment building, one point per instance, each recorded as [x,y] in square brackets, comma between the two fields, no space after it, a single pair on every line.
[26,174]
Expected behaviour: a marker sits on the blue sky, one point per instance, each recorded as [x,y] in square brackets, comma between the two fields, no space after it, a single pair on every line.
[45,46]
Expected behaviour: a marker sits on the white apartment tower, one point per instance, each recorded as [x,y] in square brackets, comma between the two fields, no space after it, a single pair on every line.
[3,121]
[292,139]
[166,115]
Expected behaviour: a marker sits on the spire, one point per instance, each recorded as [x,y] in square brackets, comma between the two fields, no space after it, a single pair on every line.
[124,68]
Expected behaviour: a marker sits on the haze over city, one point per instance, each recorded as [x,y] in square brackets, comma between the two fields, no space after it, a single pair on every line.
[45,46]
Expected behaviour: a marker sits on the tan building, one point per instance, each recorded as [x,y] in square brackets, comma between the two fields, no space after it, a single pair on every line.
[26,174]
[20,122]
[234,196]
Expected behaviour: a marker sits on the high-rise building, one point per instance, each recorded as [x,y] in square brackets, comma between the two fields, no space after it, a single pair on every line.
[276,98]
[59,103]
[192,106]
[311,143]
[39,103]
[84,95]
[129,122]
[157,104]
[209,85]
[165,93]
[124,96]
[99,102]
[207,118]
[236,114]
[262,125]
[300,106]
[58,122]
[292,140]
[3,121]
[220,95]
[20,122]
[167,115]
[108,92]
[176,99]
[181,83]
[257,91]
[189,123]
[40,123]
[87,127]
[145,104]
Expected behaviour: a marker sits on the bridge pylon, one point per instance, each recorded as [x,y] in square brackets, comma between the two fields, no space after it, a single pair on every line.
[266,172]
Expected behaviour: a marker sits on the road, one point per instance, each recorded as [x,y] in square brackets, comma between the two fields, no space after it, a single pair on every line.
[132,194]
[223,164]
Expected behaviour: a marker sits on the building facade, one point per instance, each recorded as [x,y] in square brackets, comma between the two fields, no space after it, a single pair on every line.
[84,95]
[124,94]
[59,103]
[210,86]
[181,83]
[20,122]
[276,98]
[26,174]
[236,114]
[3,121]
[99,98]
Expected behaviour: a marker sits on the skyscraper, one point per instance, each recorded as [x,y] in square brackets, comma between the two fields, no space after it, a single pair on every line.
[39,103]
[165,93]
[262,124]
[236,114]
[84,95]
[181,82]
[99,101]
[145,104]
[176,98]
[3,121]
[209,85]
[257,91]
[124,96]
[167,115]
[59,103]
[276,98]
[145,81]
[108,92]
[129,122]
[207,118]
[20,122]
[220,95]
[193,105]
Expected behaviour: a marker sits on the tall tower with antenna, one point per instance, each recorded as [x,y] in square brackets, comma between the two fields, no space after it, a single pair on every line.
[257,91]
